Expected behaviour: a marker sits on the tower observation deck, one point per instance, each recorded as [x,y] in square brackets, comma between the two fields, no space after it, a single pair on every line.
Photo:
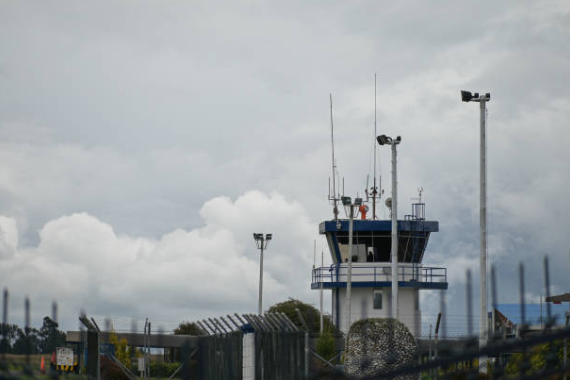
[371,269]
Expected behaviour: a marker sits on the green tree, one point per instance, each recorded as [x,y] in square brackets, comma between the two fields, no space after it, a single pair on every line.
[309,313]
[122,349]
[27,341]
[187,328]
[548,355]
[326,346]
[184,328]
[50,336]
[9,335]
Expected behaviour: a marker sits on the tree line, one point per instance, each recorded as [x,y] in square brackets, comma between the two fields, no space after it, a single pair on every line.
[29,340]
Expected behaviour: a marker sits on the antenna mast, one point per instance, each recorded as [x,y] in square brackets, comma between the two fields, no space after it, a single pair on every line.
[334,197]
[374,189]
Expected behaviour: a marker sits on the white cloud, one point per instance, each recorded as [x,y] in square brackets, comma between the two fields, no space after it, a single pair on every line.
[81,262]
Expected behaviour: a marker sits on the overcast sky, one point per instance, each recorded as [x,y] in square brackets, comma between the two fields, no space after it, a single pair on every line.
[141,144]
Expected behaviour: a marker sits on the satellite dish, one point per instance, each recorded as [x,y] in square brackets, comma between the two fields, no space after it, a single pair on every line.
[389,202]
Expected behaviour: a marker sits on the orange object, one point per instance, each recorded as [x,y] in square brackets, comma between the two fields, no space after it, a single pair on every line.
[363,210]
[43,365]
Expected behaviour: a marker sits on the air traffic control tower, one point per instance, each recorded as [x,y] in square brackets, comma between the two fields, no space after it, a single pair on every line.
[371,280]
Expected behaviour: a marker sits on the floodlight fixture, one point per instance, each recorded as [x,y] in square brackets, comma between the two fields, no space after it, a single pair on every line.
[387,140]
[346,201]
[268,237]
[466,96]
[357,201]
[383,140]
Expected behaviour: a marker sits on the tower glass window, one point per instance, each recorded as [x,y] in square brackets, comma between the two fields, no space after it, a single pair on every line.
[377,299]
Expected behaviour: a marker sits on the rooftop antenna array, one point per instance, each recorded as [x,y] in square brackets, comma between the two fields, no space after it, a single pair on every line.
[419,209]
[333,197]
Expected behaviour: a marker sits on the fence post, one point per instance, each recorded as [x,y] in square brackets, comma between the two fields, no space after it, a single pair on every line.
[306,342]
[565,343]
[93,364]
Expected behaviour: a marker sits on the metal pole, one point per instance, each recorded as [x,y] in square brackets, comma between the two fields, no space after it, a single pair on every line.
[5,316]
[335,209]
[321,290]
[436,343]
[5,307]
[259,306]
[349,277]
[564,361]
[429,340]
[148,353]
[394,249]
[374,188]
[483,225]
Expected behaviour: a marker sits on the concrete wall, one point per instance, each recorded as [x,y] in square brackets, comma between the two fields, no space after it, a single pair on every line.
[248,357]
[363,306]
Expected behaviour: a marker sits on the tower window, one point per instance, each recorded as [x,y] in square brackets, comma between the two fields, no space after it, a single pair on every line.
[377,299]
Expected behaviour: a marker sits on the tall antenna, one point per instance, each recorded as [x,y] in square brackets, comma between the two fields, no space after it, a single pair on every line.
[334,197]
[374,189]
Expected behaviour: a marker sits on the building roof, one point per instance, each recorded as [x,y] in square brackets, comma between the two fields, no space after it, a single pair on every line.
[559,298]
[535,314]
[341,225]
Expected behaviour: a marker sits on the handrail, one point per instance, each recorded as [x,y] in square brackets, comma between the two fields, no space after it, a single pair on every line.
[379,273]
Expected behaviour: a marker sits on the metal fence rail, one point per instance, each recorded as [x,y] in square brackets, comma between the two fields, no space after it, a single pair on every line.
[378,273]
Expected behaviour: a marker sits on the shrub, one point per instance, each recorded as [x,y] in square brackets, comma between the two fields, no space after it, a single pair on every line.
[326,345]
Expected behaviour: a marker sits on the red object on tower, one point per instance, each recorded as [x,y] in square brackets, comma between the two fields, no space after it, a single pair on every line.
[363,209]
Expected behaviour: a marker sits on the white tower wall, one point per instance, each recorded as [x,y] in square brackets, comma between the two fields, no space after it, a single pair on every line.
[363,306]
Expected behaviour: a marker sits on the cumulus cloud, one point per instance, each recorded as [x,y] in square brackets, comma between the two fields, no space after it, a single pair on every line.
[182,275]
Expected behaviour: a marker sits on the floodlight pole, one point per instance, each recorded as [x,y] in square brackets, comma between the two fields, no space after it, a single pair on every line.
[386,140]
[349,276]
[483,223]
[467,96]
[260,302]
[261,242]
[394,248]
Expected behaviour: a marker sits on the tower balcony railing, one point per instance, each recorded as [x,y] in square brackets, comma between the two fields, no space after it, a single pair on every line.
[379,273]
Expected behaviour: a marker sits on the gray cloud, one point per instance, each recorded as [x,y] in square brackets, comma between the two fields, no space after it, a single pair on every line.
[137,115]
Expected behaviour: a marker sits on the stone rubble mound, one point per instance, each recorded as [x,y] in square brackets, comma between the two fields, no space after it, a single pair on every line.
[379,344]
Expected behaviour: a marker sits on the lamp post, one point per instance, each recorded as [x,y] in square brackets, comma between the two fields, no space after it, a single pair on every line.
[467,96]
[261,242]
[385,140]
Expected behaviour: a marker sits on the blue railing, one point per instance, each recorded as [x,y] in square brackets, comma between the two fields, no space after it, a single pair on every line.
[379,273]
